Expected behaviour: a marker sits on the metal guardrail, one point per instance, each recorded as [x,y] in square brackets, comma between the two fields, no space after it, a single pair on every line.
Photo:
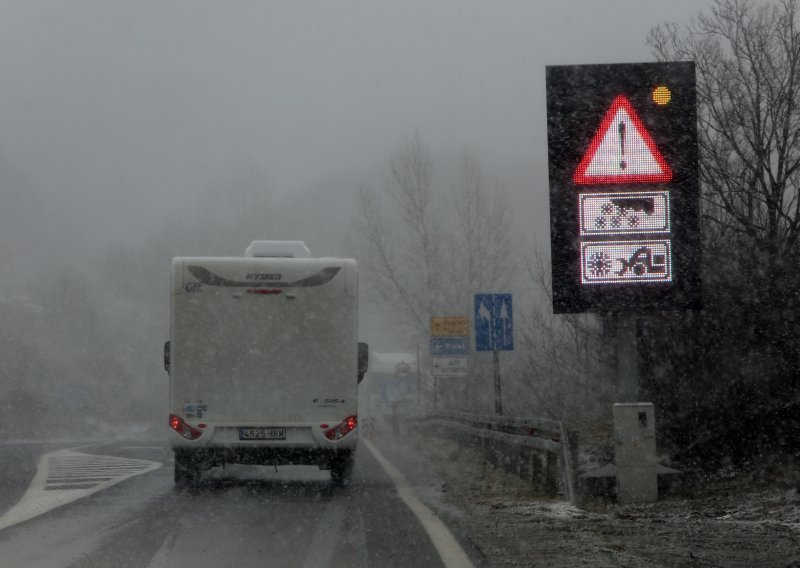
[507,433]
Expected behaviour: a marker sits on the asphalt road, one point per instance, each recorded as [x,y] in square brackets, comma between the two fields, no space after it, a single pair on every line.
[127,513]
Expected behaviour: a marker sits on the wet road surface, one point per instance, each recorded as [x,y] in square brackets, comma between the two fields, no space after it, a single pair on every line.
[239,516]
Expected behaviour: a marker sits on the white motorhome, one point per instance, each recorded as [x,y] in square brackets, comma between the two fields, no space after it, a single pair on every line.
[264,360]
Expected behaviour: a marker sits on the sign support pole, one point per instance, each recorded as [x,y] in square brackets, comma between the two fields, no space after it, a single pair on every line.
[627,351]
[498,397]
[419,386]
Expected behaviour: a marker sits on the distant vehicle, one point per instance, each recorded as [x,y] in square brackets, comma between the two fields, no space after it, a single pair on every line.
[264,360]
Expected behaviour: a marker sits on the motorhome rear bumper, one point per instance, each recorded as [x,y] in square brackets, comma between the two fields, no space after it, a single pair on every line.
[205,457]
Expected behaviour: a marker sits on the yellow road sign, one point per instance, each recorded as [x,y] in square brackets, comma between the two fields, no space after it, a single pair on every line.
[450,326]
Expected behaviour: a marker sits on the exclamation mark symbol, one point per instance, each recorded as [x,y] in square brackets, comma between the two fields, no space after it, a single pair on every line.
[621,130]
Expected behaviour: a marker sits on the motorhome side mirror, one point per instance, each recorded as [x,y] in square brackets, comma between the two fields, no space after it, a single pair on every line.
[363,360]
[166,356]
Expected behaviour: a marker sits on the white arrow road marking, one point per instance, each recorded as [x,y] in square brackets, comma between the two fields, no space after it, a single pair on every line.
[66,476]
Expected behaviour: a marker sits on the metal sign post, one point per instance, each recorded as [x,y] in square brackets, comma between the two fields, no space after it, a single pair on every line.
[419,386]
[494,331]
[498,394]
[627,351]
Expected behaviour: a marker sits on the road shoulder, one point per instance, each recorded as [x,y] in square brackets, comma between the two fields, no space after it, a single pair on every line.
[509,525]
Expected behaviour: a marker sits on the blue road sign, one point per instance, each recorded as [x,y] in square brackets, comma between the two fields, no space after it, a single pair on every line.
[494,322]
[449,346]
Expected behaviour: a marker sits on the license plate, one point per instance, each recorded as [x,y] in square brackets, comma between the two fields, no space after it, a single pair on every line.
[262,433]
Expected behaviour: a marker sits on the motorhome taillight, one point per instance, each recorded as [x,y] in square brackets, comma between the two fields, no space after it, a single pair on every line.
[343,429]
[181,427]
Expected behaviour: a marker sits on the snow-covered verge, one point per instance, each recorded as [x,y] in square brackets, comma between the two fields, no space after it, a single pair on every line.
[733,521]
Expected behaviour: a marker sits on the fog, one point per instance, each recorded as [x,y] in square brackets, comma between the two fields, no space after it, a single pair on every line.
[117,113]
[131,132]
[140,422]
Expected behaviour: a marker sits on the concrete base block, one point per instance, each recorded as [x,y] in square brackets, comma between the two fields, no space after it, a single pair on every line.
[637,484]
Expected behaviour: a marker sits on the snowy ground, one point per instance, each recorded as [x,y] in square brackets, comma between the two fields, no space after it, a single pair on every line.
[732,521]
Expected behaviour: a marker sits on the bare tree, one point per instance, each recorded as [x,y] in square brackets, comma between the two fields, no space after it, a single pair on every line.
[567,362]
[743,346]
[748,63]
[428,249]
[403,258]
[482,242]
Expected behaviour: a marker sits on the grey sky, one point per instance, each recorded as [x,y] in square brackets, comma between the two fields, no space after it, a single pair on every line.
[119,111]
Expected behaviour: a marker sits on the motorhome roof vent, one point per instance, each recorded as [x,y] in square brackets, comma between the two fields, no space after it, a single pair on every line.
[278,249]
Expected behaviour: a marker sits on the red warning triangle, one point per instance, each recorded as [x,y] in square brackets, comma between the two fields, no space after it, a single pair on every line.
[622,151]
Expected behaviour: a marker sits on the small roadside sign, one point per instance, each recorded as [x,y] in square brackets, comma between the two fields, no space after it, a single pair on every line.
[450,326]
[395,391]
[449,346]
[450,366]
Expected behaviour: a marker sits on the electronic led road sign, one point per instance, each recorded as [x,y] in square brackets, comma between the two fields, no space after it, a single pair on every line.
[624,191]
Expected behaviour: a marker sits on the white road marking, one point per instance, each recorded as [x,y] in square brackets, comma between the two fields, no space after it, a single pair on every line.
[66,476]
[161,557]
[451,553]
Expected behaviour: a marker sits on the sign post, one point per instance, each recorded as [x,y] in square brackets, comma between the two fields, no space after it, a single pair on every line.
[449,355]
[494,331]
[624,195]
[627,360]
[624,200]
[449,349]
